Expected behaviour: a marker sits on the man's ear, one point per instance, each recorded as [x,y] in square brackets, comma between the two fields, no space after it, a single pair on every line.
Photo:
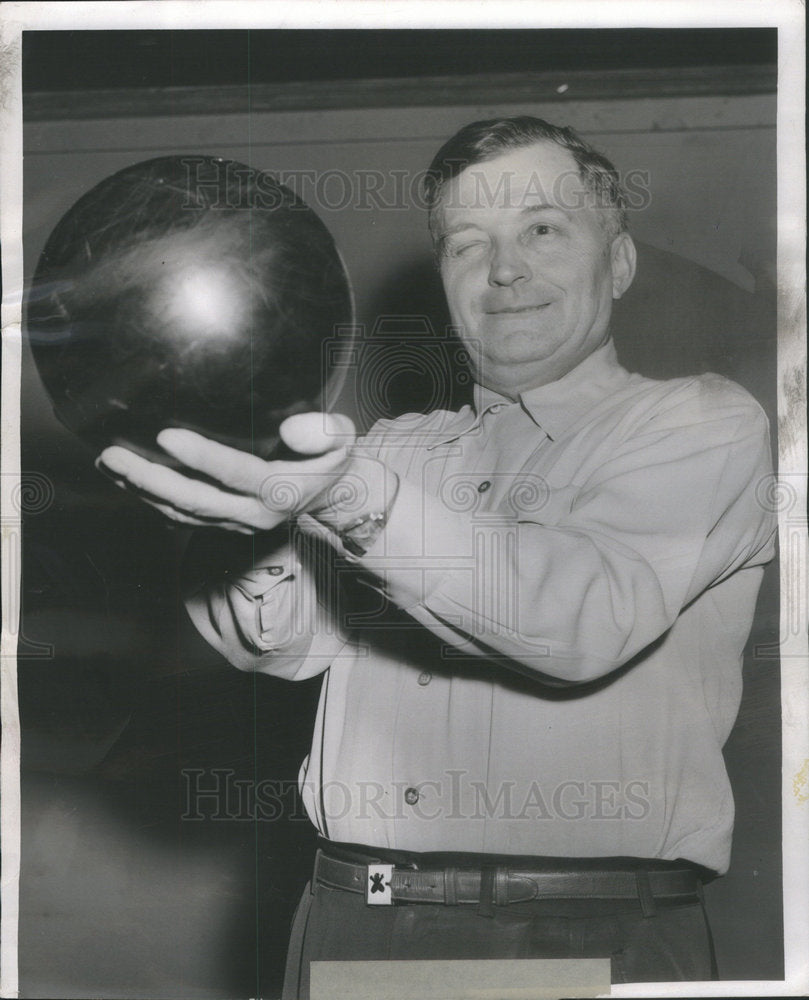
[623,257]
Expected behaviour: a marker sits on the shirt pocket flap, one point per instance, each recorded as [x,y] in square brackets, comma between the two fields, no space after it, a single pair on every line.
[545,504]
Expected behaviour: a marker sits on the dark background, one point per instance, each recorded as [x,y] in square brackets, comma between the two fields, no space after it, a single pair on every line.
[120,700]
[80,60]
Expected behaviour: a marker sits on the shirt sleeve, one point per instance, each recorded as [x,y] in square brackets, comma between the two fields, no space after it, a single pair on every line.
[266,604]
[604,568]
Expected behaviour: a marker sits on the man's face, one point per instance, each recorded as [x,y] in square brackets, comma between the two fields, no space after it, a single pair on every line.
[528,268]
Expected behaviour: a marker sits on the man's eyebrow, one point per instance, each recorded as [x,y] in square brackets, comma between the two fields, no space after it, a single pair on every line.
[543,206]
[458,228]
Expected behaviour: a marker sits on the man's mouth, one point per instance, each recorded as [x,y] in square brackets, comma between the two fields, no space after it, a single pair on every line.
[507,310]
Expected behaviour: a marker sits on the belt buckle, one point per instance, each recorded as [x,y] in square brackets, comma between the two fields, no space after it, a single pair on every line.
[378,890]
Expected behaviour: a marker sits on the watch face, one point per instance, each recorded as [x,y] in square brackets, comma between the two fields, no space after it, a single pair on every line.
[360,536]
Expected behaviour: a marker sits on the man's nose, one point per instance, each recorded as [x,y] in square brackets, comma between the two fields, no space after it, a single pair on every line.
[508,265]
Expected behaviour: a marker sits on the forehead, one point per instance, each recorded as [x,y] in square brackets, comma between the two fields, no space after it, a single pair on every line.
[543,173]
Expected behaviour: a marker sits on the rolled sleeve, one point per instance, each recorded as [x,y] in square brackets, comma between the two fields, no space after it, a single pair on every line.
[270,617]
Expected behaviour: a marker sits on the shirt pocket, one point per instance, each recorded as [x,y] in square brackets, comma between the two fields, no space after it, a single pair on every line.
[534,500]
[265,617]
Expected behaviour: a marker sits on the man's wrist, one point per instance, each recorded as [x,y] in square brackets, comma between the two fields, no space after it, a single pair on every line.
[359,536]
[357,506]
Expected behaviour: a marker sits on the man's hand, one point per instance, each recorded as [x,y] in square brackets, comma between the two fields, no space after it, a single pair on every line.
[247,494]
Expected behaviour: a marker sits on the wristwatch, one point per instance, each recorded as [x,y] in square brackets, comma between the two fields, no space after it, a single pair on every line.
[361,534]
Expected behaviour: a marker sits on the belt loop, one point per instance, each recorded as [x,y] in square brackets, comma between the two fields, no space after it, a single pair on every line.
[486,900]
[501,886]
[709,932]
[451,886]
[647,900]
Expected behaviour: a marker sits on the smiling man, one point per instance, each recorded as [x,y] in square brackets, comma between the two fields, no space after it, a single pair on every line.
[530,265]
[529,615]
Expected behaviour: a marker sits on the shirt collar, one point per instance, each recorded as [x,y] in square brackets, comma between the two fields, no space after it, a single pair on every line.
[559,405]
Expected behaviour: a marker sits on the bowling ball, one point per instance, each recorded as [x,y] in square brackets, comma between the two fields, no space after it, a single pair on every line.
[187,291]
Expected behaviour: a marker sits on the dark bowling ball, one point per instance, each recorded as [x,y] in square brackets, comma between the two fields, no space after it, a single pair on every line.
[187,291]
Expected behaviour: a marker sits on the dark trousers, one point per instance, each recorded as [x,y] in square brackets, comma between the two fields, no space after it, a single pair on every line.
[672,944]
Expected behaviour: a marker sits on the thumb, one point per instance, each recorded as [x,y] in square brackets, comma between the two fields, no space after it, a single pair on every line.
[317,433]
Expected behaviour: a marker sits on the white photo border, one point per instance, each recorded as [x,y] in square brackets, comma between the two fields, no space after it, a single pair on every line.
[788,16]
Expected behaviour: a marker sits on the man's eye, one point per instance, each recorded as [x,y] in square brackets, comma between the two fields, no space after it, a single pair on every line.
[541,229]
[466,249]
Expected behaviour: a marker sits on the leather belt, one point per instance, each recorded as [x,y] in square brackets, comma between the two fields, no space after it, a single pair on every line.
[502,885]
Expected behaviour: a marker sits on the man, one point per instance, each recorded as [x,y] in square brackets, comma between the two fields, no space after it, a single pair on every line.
[529,615]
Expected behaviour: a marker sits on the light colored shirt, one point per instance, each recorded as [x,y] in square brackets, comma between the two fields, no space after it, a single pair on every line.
[548,657]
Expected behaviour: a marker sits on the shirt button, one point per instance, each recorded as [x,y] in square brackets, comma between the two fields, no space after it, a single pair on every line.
[425,678]
[411,796]
[482,487]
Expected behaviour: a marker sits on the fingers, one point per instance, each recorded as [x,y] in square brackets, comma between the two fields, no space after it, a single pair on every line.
[238,470]
[175,494]
[195,522]
[247,493]
[316,433]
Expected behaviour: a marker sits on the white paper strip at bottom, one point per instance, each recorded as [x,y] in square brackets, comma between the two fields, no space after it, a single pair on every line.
[490,979]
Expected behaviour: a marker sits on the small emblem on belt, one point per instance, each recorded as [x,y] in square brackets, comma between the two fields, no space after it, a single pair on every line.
[377,885]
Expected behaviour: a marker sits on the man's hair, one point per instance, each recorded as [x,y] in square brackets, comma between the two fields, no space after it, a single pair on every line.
[488,139]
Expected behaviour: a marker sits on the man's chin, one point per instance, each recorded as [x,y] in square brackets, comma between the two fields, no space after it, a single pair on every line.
[519,349]
[505,335]
[511,377]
